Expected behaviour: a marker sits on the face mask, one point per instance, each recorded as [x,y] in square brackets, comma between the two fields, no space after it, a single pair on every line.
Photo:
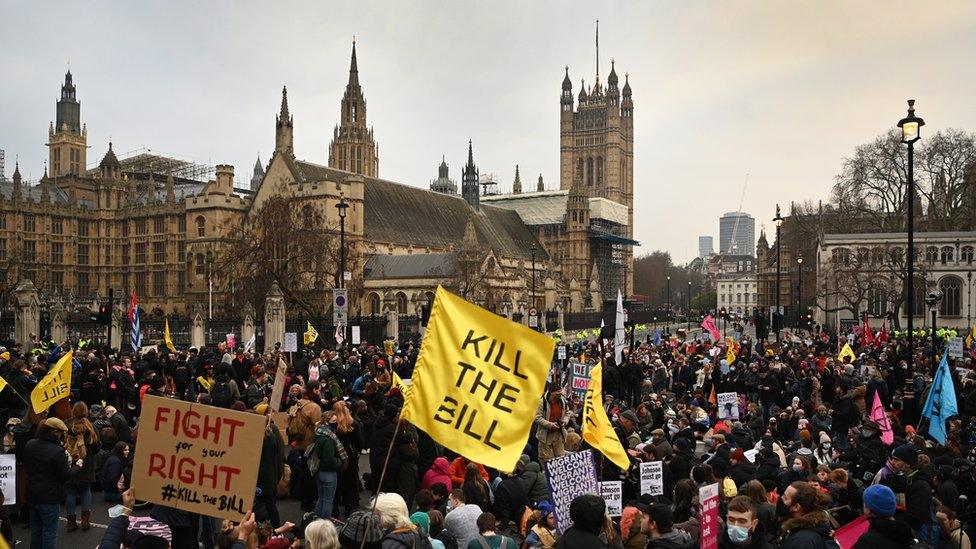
[798,468]
[866,433]
[450,506]
[826,447]
[738,534]
[781,509]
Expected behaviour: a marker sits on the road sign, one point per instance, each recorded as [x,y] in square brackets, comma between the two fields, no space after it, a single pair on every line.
[347,275]
[340,306]
[533,311]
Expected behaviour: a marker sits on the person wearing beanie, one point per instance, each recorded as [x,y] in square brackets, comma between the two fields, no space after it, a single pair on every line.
[912,487]
[588,512]
[883,530]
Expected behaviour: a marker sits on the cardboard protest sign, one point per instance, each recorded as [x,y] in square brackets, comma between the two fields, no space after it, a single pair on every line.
[561,352]
[570,476]
[652,478]
[708,519]
[356,335]
[280,420]
[955,347]
[278,389]
[8,478]
[478,382]
[197,458]
[612,493]
[728,406]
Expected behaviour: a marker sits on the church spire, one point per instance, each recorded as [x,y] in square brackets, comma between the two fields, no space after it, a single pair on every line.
[353,66]
[517,186]
[284,126]
[469,181]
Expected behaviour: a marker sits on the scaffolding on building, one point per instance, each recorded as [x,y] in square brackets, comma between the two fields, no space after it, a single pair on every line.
[141,162]
[3,177]
[489,186]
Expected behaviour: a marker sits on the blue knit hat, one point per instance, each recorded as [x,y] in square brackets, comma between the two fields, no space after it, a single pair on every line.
[880,500]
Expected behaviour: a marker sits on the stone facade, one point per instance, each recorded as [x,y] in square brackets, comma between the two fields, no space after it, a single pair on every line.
[149,225]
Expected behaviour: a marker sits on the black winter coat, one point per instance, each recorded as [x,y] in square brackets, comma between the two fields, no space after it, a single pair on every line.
[810,531]
[510,500]
[885,533]
[47,469]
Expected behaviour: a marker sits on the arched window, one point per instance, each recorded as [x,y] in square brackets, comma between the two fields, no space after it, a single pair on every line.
[877,301]
[201,226]
[920,288]
[877,255]
[307,215]
[579,170]
[863,254]
[967,254]
[374,304]
[946,255]
[841,255]
[401,303]
[589,172]
[201,268]
[950,286]
[931,254]
[599,170]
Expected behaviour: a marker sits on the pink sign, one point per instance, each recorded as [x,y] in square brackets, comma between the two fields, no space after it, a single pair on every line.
[708,498]
[847,535]
[231,341]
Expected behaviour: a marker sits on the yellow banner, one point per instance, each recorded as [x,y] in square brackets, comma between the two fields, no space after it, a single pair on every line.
[167,339]
[310,334]
[55,385]
[478,381]
[399,384]
[597,430]
[3,384]
[846,351]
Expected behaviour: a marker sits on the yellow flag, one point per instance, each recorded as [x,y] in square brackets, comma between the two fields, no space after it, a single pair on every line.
[167,339]
[846,351]
[597,430]
[399,384]
[971,337]
[55,386]
[730,355]
[3,384]
[478,382]
[310,334]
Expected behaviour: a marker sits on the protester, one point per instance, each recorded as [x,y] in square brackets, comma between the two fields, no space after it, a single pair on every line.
[49,473]
[884,531]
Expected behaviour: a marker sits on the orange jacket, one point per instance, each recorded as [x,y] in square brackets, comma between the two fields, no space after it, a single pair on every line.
[457,471]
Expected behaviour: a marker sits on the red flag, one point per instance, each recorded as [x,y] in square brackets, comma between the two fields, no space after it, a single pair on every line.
[867,335]
[711,395]
[883,334]
[132,307]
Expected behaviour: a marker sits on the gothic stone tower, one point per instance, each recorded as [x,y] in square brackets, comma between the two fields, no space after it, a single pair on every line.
[353,148]
[597,143]
[67,139]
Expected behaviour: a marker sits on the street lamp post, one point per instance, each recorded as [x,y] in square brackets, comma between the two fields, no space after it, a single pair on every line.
[668,319]
[779,247]
[799,290]
[532,306]
[969,299]
[341,275]
[688,314]
[910,133]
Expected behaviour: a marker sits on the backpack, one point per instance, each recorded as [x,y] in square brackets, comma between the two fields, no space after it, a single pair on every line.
[312,460]
[221,395]
[298,423]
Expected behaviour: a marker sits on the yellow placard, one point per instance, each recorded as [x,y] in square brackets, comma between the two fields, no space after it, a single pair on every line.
[478,381]
[846,351]
[597,430]
[310,334]
[55,386]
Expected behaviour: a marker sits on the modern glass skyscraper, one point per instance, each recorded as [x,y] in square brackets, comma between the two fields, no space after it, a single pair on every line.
[737,234]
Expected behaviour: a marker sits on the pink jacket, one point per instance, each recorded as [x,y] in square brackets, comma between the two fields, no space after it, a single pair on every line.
[437,473]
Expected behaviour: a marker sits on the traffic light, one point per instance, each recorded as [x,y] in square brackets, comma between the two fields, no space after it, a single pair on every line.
[104,316]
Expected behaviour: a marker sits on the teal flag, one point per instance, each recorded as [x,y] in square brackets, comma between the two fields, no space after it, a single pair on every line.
[941,403]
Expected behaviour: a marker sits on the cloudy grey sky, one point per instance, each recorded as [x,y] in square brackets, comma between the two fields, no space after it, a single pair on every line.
[779,90]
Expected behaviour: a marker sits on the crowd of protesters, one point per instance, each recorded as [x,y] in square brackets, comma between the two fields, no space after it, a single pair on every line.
[799,458]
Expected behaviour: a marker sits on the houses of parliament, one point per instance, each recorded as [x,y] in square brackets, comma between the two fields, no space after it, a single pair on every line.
[157,226]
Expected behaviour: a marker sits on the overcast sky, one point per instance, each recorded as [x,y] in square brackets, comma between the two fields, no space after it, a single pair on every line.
[779,90]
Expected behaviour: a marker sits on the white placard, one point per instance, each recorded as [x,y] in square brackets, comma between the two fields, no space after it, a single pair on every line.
[8,478]
[955,347]
[652,478]
[290,345]
[561,350]
[612,493]
[533,321]
[751,455]
[355,335]
[728,406]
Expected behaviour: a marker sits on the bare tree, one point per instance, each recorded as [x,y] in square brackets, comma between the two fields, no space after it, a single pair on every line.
[287,242]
